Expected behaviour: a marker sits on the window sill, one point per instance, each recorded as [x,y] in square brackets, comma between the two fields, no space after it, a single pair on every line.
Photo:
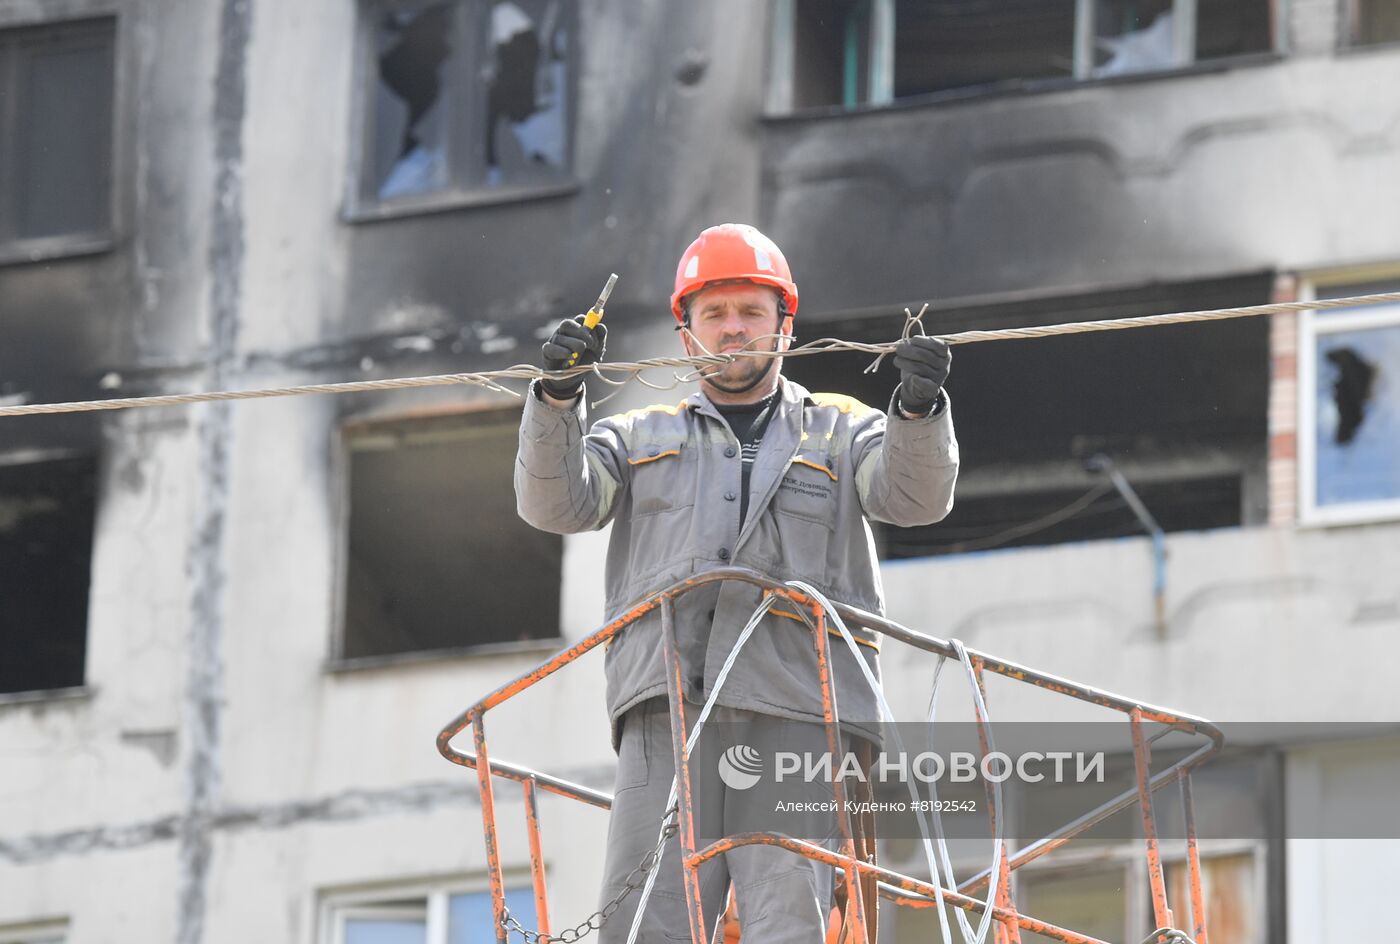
[1008,88]
[47,696]
[527,647]
[28,251]
[1349,515]
[453,200]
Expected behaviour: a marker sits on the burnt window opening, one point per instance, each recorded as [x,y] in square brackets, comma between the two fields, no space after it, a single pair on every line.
[1355,400]
[47,514]
[1372,22]
[437,558]
[1040,517]
[944,46]
[1227,28]
[467,95]
[1182,411]
[831,63]
[56,98]
[857,52]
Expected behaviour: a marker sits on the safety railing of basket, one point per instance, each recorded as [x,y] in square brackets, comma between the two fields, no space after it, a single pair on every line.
[892,885]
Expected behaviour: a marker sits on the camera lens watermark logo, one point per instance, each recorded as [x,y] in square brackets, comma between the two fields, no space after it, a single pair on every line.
[740,767]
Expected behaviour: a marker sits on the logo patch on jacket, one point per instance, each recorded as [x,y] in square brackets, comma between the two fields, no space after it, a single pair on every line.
[812,489]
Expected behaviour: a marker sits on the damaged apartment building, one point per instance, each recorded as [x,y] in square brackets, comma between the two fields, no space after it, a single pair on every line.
[231,631]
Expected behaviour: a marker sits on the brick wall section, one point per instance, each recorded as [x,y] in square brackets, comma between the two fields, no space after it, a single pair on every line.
[1312,27]
[1283,407]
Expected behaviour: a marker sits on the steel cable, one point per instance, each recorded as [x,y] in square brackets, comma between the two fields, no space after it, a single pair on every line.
[632,370]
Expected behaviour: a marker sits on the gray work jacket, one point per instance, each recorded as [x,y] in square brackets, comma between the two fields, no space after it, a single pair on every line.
[668,479]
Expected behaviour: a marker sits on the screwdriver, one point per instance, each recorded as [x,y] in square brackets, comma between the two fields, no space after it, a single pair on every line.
[595,314]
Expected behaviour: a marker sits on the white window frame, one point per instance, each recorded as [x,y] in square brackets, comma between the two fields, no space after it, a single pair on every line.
[1311,325]
[378,901]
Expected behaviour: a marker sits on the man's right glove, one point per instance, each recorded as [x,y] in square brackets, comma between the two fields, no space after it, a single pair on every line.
[570,338]
[923,367]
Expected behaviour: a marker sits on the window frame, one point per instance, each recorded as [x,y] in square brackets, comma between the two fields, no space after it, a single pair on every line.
[1127,859]
[1128,855]
[337,906]
[362,206]
[1137,885]
[79,24]
[1086,36]
[880,71]
[1312,325]
[364,426]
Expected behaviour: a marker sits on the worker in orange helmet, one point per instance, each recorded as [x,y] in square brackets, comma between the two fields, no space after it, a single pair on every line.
[751,470]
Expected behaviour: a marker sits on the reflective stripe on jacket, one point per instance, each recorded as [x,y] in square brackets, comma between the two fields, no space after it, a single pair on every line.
[668,477]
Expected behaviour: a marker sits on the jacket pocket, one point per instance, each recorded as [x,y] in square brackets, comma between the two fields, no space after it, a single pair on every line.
[808,491]
[663,479]
[634,751]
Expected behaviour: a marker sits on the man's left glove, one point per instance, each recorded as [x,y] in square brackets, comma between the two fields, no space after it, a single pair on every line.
[923,367]
[570,338]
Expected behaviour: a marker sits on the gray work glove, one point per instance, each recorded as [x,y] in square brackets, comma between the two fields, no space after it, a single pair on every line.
[571,338]
[923,367]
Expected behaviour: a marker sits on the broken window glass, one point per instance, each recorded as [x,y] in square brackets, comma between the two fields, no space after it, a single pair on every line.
[413,49]
[1358,415]
[56,83]
[437,558]
[47,512]
[1140,35]
[526,81]
[469,94]
[1133,36]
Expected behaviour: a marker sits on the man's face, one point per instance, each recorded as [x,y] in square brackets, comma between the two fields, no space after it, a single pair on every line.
[725,318]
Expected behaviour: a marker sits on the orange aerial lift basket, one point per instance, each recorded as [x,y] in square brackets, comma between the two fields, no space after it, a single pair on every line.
[862,882]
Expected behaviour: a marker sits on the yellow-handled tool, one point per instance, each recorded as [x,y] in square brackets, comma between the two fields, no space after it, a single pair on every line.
[595,314]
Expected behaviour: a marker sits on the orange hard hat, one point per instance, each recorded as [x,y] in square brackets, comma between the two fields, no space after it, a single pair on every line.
[732,252]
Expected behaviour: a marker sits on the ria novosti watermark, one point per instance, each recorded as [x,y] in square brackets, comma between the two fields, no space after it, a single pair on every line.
[741,767]
[781,777]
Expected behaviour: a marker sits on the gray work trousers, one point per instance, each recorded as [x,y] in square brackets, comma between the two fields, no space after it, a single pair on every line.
[782,896]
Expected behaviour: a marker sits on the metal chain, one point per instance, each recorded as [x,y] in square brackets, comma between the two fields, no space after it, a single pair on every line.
[1167,936]
[594,922]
